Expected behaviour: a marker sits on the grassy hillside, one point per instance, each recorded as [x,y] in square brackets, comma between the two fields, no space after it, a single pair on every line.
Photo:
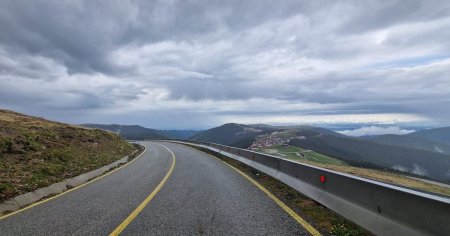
[136,132]
[239,135]
[133,132]
[300,154]
[35,152]
[415,155]
[307,130]
[231,134]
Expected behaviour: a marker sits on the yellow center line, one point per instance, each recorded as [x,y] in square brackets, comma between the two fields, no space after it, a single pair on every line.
[141,206]
[287,209]
[72,189]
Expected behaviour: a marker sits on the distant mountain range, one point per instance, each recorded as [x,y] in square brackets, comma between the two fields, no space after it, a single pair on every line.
[233,134]
[239,135]
[424,153]
[136,132]
[414,140]
[438,135]
[179,134]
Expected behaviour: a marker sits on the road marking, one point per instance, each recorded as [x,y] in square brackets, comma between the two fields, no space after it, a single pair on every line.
[70,190]
[141,206]
[287,209]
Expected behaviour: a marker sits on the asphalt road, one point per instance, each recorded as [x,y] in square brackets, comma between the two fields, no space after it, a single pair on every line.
[201,196]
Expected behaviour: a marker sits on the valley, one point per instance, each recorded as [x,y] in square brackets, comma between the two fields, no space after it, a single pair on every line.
[395,159]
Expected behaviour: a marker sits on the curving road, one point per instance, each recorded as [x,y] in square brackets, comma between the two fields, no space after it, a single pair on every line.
[202,195]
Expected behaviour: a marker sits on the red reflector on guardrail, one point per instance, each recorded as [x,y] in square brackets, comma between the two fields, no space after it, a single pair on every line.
[323,178]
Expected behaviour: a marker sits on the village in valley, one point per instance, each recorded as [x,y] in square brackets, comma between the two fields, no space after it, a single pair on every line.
[277,138]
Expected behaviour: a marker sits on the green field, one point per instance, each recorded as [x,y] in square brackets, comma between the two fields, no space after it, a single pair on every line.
[299,154]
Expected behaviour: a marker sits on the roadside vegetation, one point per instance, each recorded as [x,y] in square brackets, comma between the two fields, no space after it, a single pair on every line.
[320,160]
[321,218]
[35,153]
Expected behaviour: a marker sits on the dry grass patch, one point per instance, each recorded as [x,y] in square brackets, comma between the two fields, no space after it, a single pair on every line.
[35,153]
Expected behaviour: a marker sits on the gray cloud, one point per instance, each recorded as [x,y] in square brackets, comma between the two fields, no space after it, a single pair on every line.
[220,61]
[376,130]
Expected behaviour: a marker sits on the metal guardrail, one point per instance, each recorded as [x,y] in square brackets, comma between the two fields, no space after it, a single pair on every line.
[381,208]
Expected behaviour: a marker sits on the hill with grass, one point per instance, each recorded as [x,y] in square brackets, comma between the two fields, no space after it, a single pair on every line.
[35,152]
[240,135]
[137,132]
[132,132]
[237,135]
[405,156]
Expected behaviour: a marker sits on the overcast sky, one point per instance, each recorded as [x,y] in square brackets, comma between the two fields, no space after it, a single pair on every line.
[198,64]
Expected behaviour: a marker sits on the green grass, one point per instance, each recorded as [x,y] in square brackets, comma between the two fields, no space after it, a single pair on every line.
[35,153]
[299,154]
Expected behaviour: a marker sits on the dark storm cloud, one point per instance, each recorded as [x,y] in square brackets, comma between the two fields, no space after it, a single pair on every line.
[221,61]
[82,33]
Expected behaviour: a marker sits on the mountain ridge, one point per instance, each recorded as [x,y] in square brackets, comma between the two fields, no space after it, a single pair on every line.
[137,132]
[359,151]
[436,134]
[133,132]
[411,141]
